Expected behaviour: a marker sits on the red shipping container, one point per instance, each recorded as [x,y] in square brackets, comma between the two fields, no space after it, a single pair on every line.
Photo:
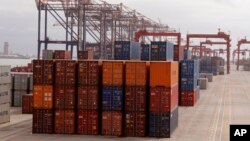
[62,54]
[88,97]
[163,99]
[188,98]
[37,72]
[112,123]
[70,72]
[135,124]
[64,122]
[135,99]
[48,72]
[27,104]
[42,121]
[87,122]
[60,72]
[85,55]
[64,97]
[88,73]
[178,53]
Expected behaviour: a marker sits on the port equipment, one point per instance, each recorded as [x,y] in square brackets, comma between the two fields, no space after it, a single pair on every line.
[219,35]
[240,42]
[241,52]
[90,21]
[195,49]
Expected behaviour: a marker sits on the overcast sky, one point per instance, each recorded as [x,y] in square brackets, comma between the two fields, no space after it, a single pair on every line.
[18,18]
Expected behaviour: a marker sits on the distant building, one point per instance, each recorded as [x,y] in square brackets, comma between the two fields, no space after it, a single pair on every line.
[6,48]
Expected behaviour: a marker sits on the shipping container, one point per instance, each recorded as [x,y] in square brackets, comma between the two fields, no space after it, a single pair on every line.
[48,55]
[112,98]
[65,72]
[203,83]
[21,81]
[85,55]
[4,113]
[88,122]
[30,88]
[163,99]
[65,97]
[162,125]
[4,93]
[162,51]
[5,77]
[88,73]
[188,98]
[112,123]
[62,54]
[17,98]
[164,74]
[178,53]
[48,72]
[135,124]
[112,73]
[43,97]
[38,68]
[187,54]
[135,98]
[136,73]
[27,102]
[64,122]
[127,50]
[42,121]
[88,97]
[145,52]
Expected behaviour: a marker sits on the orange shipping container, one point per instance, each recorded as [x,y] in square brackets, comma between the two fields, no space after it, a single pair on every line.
[136,73]
[43,97]
[164,74]
[112,73]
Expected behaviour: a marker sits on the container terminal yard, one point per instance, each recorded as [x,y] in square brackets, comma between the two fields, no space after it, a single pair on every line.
[118,75]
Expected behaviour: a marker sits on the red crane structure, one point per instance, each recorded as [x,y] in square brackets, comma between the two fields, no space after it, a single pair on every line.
[242,52]
[209,42]
[196,48]
[219,51]
[219,35]
[240,42]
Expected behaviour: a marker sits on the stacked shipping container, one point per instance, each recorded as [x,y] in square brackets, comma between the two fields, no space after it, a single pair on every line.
[112,98]
[43,72]
[145,52]
[135,99]
[163,110]
[162,51]
[88,98]
[27,104]
[5,94]
[65,96]
[127,50]
[189,73]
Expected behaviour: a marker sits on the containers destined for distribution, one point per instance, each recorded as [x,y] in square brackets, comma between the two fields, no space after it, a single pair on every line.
[189,74]
[64,121]
[203,83]
[62,54]
[5,86]
[88,122]
[162,51]
[163,111]
[112,123]
[112,73]
[145,52]
[127,50]
[48,55]
[42,121]
[27,104]
[178,53]
[85,55]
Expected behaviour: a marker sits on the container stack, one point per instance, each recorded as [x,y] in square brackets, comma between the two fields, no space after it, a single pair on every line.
[187,54]
[215,65]
[62,54]
[112,98]
[27,104]
[127,50]
[88,98]
[5,85]
[145,52]
[178,53]
[163,110]
[189,73]
[162,51]
[65,96]
[85,55]
[43,72]
[135,99]
[48,55]
[206,65]
[20,88]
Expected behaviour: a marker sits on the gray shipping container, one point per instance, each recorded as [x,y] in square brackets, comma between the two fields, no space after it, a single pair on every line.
[31,83]
[4,93]
[18,98]
[48,55]
[4,113]
[203,83]
[5,75]
[21,81]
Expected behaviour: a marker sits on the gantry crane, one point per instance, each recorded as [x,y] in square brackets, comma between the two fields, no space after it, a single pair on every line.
[241,42]
[209,42]
[242,52]
[219,35]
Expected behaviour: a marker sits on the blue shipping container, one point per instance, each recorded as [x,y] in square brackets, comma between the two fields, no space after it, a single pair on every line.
[162,125]
[145,52]
[162,51]
[112,98]
[189,68]
[127,50]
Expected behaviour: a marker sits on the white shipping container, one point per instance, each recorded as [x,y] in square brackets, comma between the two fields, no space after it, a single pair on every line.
[4,113]
[4,93]
[5,75]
